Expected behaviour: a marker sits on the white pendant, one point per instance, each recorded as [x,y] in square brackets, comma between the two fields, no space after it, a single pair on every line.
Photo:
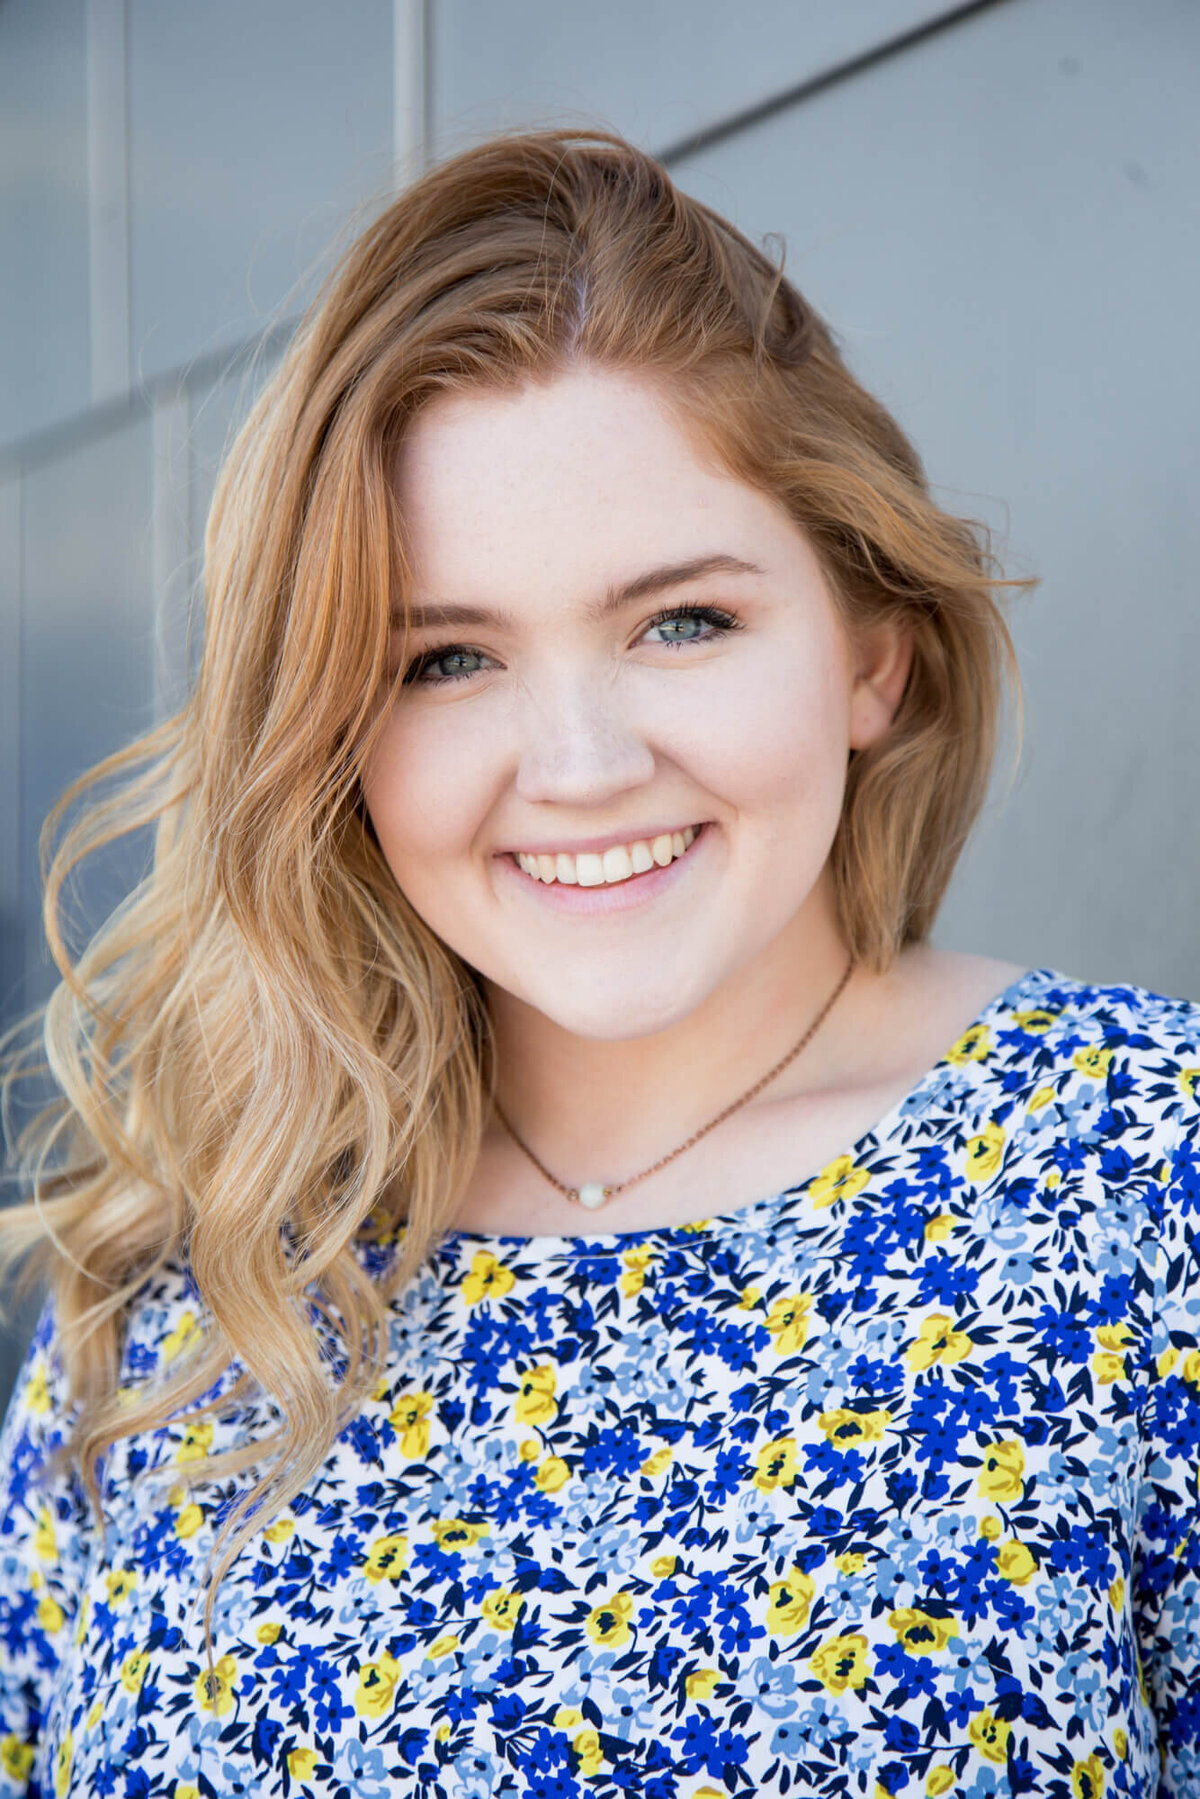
[592,1194]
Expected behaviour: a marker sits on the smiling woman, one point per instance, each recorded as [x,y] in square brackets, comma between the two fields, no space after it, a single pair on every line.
[594,703]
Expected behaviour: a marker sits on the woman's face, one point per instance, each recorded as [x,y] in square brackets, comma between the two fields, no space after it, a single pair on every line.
[618,651]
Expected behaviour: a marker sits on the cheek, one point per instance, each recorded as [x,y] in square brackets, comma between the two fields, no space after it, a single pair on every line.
[769,736]
[428,786]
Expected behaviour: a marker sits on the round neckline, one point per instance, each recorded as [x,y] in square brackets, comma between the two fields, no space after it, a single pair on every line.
[749,1217]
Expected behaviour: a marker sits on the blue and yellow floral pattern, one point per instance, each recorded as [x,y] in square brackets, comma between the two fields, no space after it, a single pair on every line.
[884,1485]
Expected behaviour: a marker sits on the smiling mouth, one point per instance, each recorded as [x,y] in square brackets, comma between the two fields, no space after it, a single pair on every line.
[611,867]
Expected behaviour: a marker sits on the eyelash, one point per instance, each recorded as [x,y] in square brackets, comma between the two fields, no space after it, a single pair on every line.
[720,621]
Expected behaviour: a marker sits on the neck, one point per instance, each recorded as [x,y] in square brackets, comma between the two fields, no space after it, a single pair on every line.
[597,1108]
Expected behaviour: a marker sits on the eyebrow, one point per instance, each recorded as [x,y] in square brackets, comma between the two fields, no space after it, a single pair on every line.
[652,581]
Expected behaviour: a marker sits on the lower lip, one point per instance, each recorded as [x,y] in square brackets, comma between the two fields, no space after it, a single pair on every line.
[622,896]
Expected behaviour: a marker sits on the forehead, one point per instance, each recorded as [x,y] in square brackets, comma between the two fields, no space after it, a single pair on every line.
[586,477]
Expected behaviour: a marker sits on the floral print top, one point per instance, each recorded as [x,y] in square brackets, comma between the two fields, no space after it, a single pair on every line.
[887,1484]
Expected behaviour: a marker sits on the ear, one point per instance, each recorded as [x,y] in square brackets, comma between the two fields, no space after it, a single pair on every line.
[882,662]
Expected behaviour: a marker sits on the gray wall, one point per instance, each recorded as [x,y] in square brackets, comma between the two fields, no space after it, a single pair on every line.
[995,204]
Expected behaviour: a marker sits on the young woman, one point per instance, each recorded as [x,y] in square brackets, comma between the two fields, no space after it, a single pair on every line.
[556,1287]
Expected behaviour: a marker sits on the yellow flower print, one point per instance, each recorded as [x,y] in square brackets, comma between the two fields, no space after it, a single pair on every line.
[442,1733]
[973,1046]
[787,1322]
[567,1716]
[636,1263]
[839,1179]
[788,1603]
[84,1610]
[1003,1471]
[535,1402]
[302,1762]
[990,1528]
[1188,1079]
[488,1279]
[554,1473]
[939,1227]
[37,1390]
[1167,1359]
[376,1687]
[850,1563]
[657,1463]
[50,1616]
[608,1622]
[280,1530]
[502,1608]
[442,1648]
[1015,1563]
[454,1534]
[63,1756]
[44,1541]
[1041,1099]
[586,1745]
[990,1736]
[776,1464]
[185,1790]
[1036,1022]
[188,1520]
[386,1558]
[1087,1778]
[1093,1061]
[921,1634]
[95,1715]
[269,1633]
[530,1450]
[847,1429]
[133,1670]
[1120,1743]
[1108,1362]
[1116,1594]
[120,1584]
[984,1152]
[750,1298]
[16,1758]
[1191,1367]
[937,1341]
[214,1692]
[939,1780]
[663,1566]
[409,1419]
[185,1335]
[701,1683]
[841,1662]
[197,1439]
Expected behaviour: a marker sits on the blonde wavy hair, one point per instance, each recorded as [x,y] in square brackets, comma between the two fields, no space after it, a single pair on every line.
[265,1052]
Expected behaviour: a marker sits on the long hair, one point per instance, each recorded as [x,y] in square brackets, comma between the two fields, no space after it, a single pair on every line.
[265,1052]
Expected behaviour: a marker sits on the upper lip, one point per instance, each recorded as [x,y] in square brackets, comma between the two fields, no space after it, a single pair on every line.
[594,845]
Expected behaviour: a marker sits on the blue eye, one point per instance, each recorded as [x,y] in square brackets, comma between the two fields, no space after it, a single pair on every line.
[454,663]
[692,624]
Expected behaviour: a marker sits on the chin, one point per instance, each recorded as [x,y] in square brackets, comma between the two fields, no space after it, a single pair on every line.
[615,1011]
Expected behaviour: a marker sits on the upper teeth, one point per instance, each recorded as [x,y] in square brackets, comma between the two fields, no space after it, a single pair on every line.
[613,865]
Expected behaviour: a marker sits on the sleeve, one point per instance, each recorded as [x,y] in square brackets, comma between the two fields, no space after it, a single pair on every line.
[44,1519]
[1166,1556]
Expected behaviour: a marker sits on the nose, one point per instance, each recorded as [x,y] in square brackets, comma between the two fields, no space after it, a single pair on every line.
[579,747]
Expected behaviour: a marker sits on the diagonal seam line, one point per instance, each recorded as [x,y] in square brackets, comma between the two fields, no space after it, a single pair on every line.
[807,89]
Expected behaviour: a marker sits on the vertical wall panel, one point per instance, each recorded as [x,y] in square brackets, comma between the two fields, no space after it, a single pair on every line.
[88,642]
[253,132]
[44,329]
[656,70]
[1004,227]
[12,941]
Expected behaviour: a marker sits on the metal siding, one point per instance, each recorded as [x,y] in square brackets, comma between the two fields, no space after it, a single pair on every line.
[1004,228]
